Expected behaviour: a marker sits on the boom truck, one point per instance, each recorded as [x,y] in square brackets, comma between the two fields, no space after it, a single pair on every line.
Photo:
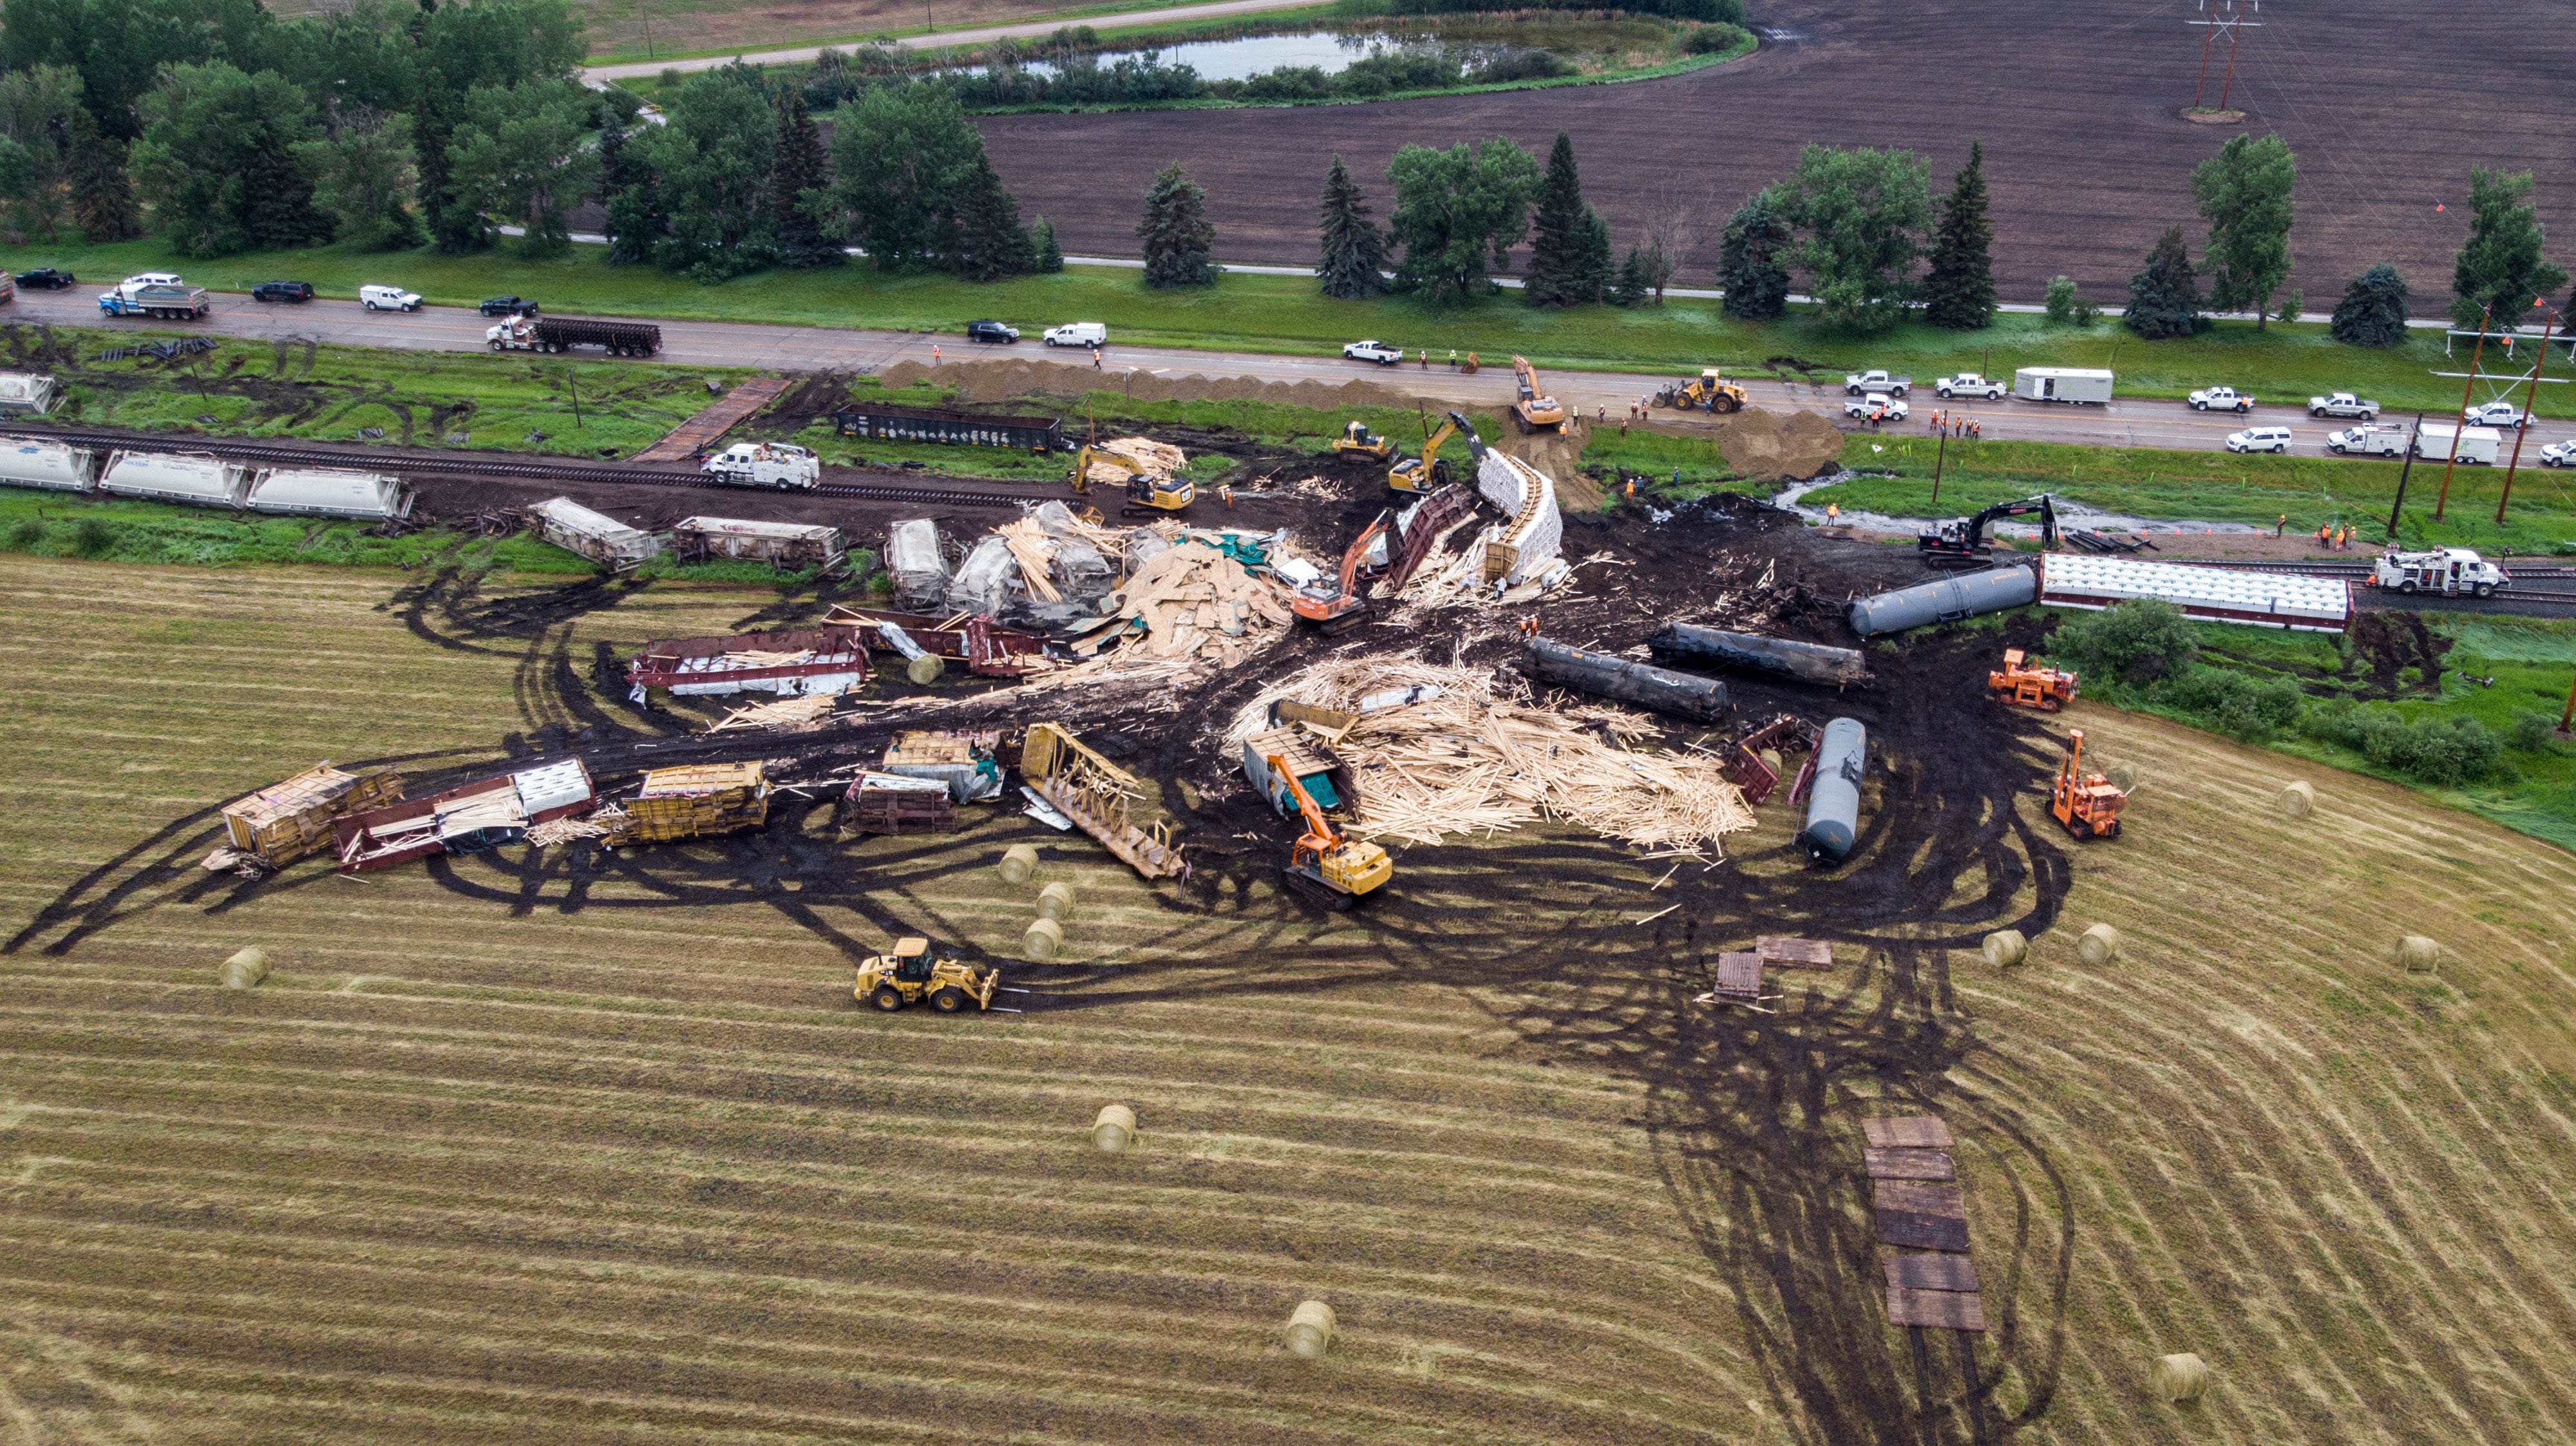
[156,294]
[555,333]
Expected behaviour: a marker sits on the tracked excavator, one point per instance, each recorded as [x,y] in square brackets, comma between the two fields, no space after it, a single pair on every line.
[1963,543]
[1146,494]
[1426,473]
[1333,871]
[1336,603]
[1535,410]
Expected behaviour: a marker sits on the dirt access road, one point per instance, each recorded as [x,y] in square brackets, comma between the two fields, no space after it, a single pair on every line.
[2387,105]
[2132,423]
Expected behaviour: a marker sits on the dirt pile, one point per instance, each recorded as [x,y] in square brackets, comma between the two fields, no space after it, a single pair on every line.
[1559,455]
[987,382]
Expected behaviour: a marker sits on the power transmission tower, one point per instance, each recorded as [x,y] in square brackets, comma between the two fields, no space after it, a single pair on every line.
[2222,17]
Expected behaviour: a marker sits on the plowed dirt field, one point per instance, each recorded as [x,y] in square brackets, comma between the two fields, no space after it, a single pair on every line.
[531,1147]
[2387,104]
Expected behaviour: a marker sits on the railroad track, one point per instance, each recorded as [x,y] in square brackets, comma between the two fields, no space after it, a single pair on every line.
[508,465]
[2519,572]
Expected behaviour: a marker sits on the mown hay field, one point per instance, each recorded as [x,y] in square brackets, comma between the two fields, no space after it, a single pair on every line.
[518,1148]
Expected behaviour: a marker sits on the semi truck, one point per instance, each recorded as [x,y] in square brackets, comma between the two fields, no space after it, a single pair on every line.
[156,294]
[554,333]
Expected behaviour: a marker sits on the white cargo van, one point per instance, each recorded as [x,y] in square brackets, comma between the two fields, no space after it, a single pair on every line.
[1078,333]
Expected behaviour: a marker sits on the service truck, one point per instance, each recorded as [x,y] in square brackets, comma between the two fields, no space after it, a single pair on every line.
[1875,379]
[554,333]
[156,293]
[2370,439]
[765,464]
[2343,404]
[2449,571]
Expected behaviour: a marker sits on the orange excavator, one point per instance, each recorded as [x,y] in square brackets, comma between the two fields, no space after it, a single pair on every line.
[1334,871]
[1337,604]
[2088,804]
[2023,686]
[1535,410]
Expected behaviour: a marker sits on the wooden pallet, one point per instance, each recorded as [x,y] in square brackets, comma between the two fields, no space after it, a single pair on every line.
[702,431]
[1789,953]
[1907,1164]
[1953,1310]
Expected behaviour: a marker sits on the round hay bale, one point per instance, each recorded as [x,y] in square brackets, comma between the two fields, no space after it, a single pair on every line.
[1055,901]
[1310,1329]
[925,670]
[245,969]
[2298,800]
[2006,947]
[2179,1378]
[1019,862]
[1044,940]
[2099,946]
[2416,954]
[2123,776]
[1115,1130]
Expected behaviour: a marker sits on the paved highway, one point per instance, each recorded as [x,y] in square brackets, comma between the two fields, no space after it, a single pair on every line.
[2132,423]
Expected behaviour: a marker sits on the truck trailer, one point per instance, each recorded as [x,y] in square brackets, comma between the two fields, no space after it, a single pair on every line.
[2449,441]
[157,294]
[555,333]
[2090,386]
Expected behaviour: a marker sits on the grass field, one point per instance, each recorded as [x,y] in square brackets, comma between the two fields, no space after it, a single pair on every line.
[517,1149]
[1284,314]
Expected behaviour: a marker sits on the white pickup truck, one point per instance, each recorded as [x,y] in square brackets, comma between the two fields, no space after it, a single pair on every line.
[2343,404]
[2221,399]
[766,464]
[1876,380]
[1876,406]
[2371,439]
[1970,384]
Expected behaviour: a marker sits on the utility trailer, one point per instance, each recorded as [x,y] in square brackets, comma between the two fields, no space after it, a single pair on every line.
[555,333]
[931,424]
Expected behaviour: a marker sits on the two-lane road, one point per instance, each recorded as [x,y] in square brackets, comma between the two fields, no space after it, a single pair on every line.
[2129,423]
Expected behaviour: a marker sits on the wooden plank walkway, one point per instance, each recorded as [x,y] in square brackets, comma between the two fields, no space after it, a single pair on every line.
[1922,1211]
[702,431]
[1793,953]
[1907,1164]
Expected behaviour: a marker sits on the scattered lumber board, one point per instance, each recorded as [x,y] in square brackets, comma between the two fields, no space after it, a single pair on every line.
[1949,1310]
[1915,1231]
[1923,1197]
[1791,953]
[1907,1132]
[1932,1271]
[1908,1164]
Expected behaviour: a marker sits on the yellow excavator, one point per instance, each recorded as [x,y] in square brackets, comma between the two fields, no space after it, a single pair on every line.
[1357,440]
[1332,870]
[1535,410]
[1709,391]
[1145,492]
[913,972]
[1426,473]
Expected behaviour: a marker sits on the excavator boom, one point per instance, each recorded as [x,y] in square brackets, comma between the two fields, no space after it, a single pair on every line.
[1322,857]
[1319,609]
[1535,410]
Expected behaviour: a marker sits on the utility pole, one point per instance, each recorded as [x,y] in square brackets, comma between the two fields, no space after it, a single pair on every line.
[2229,20]
[2402,474]
[2568,715]
[1943,452]
[2530,399]
[574,378]
[2462,420]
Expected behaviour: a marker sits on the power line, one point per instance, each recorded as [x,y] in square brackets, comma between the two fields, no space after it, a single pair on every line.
[2230,19]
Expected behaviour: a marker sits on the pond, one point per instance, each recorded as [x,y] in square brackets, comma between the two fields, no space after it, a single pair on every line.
[1327,51]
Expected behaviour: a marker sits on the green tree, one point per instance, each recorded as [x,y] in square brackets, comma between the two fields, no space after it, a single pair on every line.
[2373,309]
[2245,193]
[991,243]
[2501,264]
[488,43]
[1561,270]
[1633,286]
[102,191]
[1050,255]
[2164,299]
[521,157]
[632,195]
[2061,304]
[1176,232]
[36,108]
[121,46]
[364,174]
[1599,271]
[1456,210]
[1959,287]
[1750,260]
[2138,641]
[801,188]
[219,155]
[715,156]
[1354,261]
[1864,212]
[899,152]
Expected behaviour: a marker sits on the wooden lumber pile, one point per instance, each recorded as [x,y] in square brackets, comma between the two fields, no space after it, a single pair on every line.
[1463,760]
[786,712]
[1116,460]
[1191,601]
[1033,550]
[285,821]
[690,802]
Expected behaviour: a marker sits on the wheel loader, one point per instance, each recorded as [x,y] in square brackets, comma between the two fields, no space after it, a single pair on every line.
[1709,391]
[1357,440]
[914,972]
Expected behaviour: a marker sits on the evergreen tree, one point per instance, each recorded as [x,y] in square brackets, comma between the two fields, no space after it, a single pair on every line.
[991,244]
[1634,286]
[1050,255]
[1599,272]
[632,194]
[800,187]
[1354,261]
[1959,292]
[1176,232]
[102,194]
[2164,299]
[1749,264]
[2500,264]
[2373,309]
[1561,262]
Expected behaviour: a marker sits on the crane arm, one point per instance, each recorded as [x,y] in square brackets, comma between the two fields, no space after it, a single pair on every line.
[1527,375]
[1358,550]
[1319,829]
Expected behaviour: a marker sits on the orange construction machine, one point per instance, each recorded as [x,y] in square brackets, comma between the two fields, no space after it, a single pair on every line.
[1534,409]
[2022,686]
[1336,603]
[1330,869]
[2088,804]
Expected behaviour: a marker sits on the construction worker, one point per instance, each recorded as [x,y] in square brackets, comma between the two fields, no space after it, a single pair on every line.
[934,353]
[1426,358]
[2277,526]
[1833,513]
[1095,358]
[1632,486]
[1226,490]
[1453,358]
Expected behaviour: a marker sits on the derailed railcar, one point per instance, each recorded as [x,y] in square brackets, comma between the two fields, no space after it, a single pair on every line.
[601,538]
[467,819]
[329,492]
[54,466]
[190,477]
[780,544]
[789,663]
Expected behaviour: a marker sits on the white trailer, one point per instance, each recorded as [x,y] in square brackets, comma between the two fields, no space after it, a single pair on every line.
[27,392]
[50,465]
[604,540]
[175,477]
[2087,385]
[2219,594]
[326,492]
[2449,441]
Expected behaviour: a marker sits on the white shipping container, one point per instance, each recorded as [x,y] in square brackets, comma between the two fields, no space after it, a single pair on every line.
[2062,384]
[324,492]
[2448,441]
[575,528]
[175,477]
[2219,594]
[50,465]
[26,392]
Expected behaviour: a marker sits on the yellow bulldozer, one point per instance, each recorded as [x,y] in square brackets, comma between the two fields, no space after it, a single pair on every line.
[914,972]
[1357,440]
[1426,473]
[1709,391]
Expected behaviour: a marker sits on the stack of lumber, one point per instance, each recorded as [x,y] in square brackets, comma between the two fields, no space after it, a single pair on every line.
[285,821]
[1463,760]
[1033,549]
[689,802]
[785,713]
[1191,601]
[1114,461]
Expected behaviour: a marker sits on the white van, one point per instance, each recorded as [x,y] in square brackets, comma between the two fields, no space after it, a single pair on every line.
[1078,333]
[2259,439]
[388,298]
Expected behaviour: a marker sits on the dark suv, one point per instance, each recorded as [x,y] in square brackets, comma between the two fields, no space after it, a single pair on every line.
[508,306]
[47,277]
[282,291]
[992,331]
